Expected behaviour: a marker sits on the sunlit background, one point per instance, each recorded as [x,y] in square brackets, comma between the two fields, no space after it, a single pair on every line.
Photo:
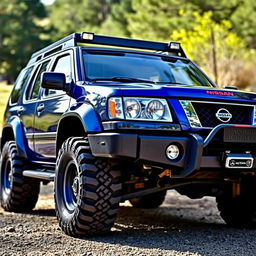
[219,35]
[47,2]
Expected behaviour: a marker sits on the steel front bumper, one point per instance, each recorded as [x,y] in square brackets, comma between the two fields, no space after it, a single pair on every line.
[152,149]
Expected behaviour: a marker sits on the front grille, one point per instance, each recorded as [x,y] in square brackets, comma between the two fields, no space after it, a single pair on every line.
[206,113]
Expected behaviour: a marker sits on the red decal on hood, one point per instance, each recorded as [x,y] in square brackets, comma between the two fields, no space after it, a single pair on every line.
[220,93]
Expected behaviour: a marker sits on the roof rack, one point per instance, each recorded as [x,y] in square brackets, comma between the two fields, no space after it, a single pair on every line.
[90,38]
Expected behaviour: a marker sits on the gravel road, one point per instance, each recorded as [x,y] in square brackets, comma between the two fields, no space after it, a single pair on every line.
[179,227]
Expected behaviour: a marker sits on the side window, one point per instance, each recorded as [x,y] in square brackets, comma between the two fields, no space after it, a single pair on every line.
[33,94]
[61,65]
[21,81]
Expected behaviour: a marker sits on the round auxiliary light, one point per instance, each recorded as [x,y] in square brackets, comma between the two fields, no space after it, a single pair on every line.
[155,110]
[132,108]
[172,152]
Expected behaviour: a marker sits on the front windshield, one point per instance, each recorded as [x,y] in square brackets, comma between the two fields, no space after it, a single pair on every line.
[156,69]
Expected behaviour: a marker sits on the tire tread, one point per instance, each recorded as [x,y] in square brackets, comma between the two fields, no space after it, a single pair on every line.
[99,195]
[25,191]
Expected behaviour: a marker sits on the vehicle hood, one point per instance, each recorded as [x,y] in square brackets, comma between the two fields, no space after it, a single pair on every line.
[186,92]
[170,91]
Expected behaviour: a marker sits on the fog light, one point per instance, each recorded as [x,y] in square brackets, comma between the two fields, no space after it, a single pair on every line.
[172,152]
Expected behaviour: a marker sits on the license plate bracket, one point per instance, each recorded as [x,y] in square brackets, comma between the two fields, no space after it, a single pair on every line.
[241,161]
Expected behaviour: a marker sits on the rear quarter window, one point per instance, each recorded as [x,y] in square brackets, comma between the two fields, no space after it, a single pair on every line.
[20,83]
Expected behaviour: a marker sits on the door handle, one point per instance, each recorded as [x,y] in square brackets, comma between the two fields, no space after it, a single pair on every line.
[40,108]
[20,110]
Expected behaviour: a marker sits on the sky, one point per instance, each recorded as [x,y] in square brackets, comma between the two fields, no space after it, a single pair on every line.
[47,2]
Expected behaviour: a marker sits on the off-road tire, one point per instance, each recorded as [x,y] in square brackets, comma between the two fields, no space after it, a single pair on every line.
[18,193]
[239,211]
[91,207]
[149,201]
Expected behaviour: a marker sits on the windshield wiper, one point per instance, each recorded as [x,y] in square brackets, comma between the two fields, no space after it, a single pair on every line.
[123,79]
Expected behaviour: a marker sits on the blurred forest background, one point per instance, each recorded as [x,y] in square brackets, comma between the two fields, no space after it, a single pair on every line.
[219,35]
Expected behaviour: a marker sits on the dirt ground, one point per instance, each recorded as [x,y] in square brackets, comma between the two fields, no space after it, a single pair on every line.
[179,227]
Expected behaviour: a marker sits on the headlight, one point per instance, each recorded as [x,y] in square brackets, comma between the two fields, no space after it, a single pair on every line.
[131,108]
[155,110]
[141,109]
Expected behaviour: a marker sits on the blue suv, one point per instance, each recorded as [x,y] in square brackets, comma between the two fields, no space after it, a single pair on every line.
[111,119]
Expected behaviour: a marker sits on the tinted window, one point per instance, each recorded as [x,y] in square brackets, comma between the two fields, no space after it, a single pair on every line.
[62,65]
[35,91]
[167,70]
[21,81]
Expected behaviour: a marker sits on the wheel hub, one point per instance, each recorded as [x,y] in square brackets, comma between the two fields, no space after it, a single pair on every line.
[10,179]
[71,186]
[75,186]
[7,179]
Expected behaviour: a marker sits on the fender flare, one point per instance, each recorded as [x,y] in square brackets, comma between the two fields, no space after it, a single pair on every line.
[14,123]
[87,115]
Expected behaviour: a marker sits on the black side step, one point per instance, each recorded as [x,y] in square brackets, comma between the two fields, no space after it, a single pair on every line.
[39,174]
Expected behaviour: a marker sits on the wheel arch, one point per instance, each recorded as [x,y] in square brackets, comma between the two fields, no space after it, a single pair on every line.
[14,130]
[7,135]
[77,123]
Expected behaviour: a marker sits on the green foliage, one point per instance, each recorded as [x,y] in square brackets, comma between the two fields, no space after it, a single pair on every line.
[220,9]
[69,16]
[19,34]
[238,12]
[228,24]
[117,22]
[214,47]
[198,41]
[154,19]
[244,22]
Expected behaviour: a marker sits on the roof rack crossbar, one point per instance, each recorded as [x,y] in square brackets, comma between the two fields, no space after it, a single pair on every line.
[129,43]
[76,38]
[73,38]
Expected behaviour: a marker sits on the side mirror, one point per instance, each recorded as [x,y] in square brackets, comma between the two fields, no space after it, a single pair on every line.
[231,87]
[55,81]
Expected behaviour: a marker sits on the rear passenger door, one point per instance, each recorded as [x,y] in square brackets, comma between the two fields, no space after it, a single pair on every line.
[52,105]
[29,102]
[15,106]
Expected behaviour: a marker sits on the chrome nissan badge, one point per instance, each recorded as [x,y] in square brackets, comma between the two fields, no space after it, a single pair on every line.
[223,115]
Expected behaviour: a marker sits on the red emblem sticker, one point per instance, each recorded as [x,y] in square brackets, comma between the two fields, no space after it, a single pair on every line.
[220,93]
